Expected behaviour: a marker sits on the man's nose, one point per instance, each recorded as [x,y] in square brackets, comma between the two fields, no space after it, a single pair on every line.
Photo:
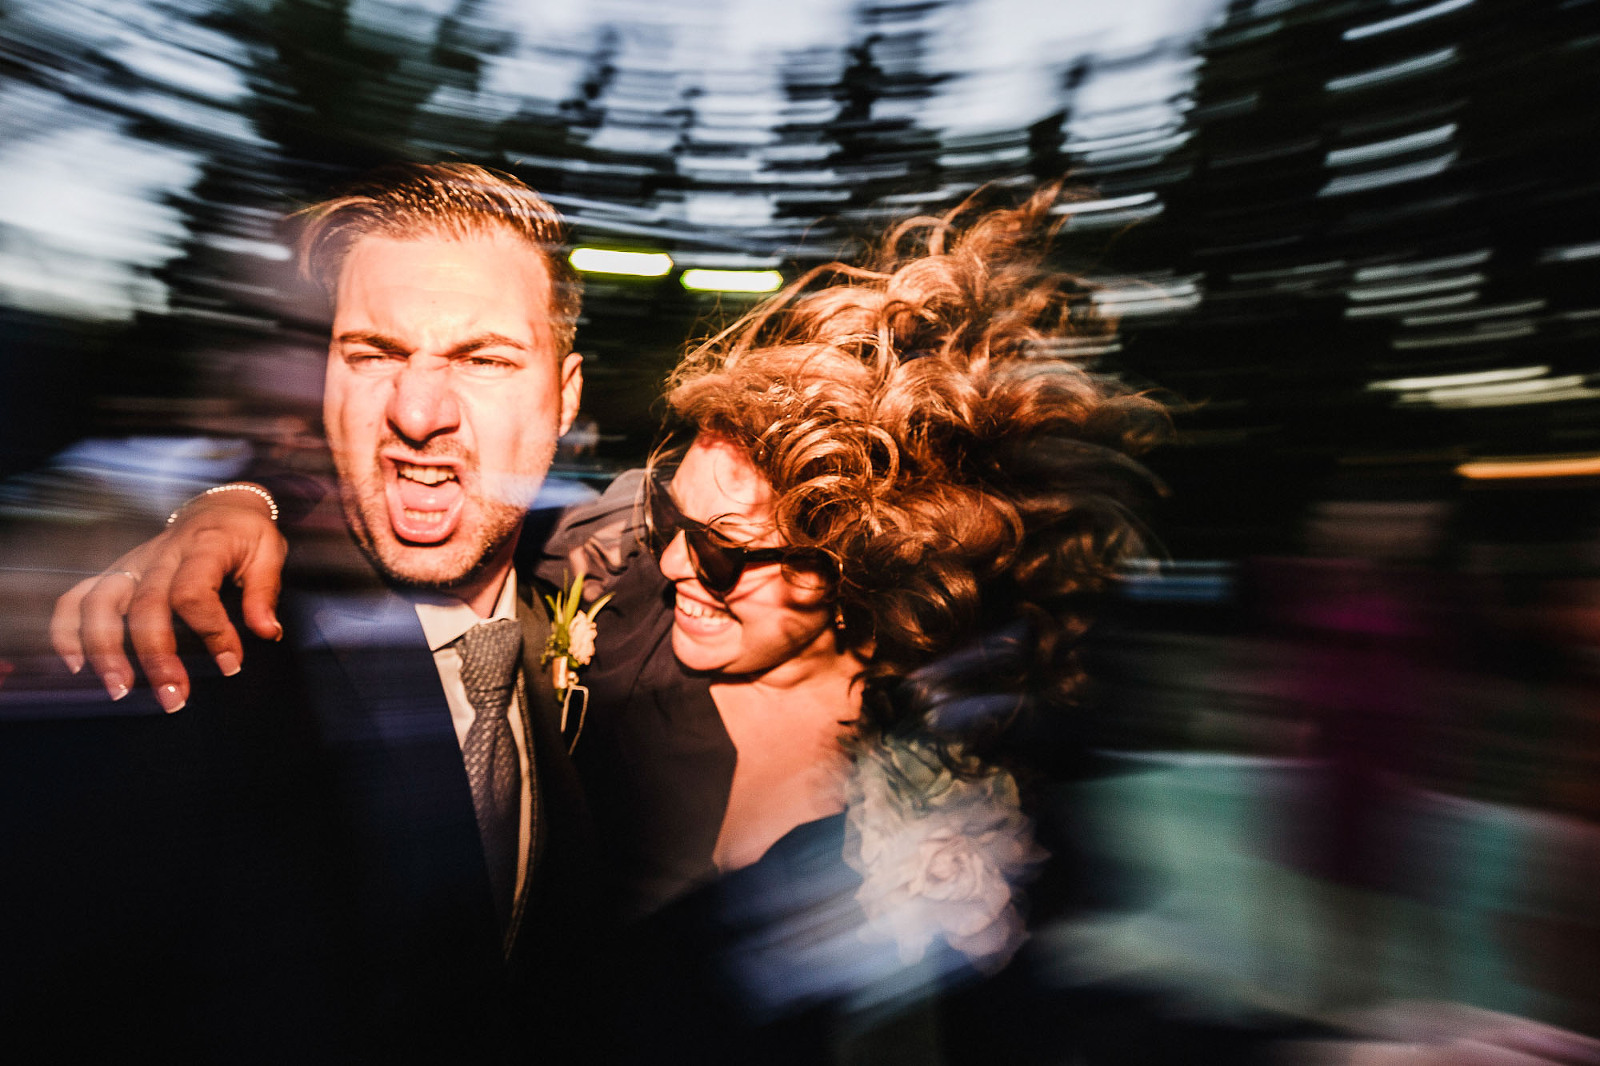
[424,402]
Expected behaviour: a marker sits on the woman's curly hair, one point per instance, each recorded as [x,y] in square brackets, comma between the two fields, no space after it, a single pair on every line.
[922,420]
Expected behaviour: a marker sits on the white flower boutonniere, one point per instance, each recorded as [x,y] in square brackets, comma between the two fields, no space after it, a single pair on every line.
[572,633]
[940,852]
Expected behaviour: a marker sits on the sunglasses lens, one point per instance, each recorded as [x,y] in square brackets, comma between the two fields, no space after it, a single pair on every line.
[663,519]
[717,564]
[718,567]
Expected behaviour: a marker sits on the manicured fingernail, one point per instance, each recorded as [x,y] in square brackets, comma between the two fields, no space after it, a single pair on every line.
[74,663]
[280,629]
[116,689]
[228,663]
[169,698]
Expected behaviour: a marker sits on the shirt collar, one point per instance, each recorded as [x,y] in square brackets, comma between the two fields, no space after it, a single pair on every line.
[444,618]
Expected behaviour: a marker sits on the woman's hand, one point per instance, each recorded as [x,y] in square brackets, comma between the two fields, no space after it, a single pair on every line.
[225,534]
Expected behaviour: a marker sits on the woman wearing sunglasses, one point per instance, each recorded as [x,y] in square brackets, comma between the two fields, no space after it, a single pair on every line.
[855,573]
[842,590]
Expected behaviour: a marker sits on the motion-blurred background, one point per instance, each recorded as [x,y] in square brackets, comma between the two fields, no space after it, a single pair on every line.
[1354,708]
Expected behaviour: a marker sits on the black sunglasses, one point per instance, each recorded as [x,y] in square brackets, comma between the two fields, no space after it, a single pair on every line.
[718,562]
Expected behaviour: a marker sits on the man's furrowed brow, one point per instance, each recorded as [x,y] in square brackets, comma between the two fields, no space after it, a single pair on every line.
[380,341]
[488,340]
[385,343]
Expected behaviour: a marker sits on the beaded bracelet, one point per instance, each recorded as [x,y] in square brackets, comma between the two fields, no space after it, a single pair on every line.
[232,486]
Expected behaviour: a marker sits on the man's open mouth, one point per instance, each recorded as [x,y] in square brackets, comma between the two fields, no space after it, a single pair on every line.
[427,475]
[425,500]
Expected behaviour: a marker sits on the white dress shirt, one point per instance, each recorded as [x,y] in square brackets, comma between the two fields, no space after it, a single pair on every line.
[444,620]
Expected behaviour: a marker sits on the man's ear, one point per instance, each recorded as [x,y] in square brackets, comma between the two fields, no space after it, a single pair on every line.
[571,389]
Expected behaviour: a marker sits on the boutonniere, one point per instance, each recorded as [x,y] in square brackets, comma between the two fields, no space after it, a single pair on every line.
[571,643]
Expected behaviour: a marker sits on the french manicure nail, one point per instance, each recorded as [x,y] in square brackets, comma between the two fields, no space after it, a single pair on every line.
[228,663]
[74,663]
[116,690]
[169,698]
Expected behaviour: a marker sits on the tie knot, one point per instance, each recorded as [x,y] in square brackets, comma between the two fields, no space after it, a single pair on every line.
[489,654]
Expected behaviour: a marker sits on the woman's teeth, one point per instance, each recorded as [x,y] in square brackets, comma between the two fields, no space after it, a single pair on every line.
[427,475]
[696,609]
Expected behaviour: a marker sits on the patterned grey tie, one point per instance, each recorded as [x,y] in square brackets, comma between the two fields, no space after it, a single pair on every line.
[490,653]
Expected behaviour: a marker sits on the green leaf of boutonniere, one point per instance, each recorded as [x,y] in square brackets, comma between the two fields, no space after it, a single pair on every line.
[572,632]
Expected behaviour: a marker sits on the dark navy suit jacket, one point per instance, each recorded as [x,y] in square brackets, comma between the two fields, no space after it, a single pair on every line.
[286,870]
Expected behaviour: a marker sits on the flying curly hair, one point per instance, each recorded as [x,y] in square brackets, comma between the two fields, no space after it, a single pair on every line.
[923,421]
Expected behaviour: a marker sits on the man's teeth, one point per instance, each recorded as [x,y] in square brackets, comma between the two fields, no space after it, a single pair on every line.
[696,609]
[427,475]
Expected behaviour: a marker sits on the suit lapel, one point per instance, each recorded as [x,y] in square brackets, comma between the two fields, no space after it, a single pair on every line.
[378,643]
[560,864]
[539,709]
[542,701]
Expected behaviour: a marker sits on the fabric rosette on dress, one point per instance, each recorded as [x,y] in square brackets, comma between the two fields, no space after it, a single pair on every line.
[941,853]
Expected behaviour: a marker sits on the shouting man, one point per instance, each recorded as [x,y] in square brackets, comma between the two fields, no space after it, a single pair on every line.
[373,842]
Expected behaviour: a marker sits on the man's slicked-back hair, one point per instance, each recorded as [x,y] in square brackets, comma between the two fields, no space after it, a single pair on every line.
[408,201]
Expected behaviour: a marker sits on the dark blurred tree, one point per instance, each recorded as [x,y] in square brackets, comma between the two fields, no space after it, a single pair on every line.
[328,100]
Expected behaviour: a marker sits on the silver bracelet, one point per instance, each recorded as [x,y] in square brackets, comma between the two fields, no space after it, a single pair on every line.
[232,486]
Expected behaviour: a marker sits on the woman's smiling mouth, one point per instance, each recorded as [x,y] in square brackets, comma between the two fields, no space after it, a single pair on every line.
[695,616]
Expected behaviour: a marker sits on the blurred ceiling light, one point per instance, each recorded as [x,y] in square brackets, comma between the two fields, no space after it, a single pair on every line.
[1342,157]
[1422,266]
[992,158]
[1080,351]
[929,196]
[1404,68]
[1249,33]
[1570,252]
[1110,204]
[700,280]
[1146,145]
[1505,393]
[1165,296]
[1072,348]
[609,261]
[1106,219]
[247,246]
[1242,104]
[1497,311]
[1446,381]
[722,260]
[1288,272]
[1407,306]
[1378,179]
[1416,288]
[1484,334]
[1356,33]
[1561,395]
[1565,466]
[1278,150]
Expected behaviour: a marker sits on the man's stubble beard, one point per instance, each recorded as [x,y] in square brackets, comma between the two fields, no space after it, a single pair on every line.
[487,527]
